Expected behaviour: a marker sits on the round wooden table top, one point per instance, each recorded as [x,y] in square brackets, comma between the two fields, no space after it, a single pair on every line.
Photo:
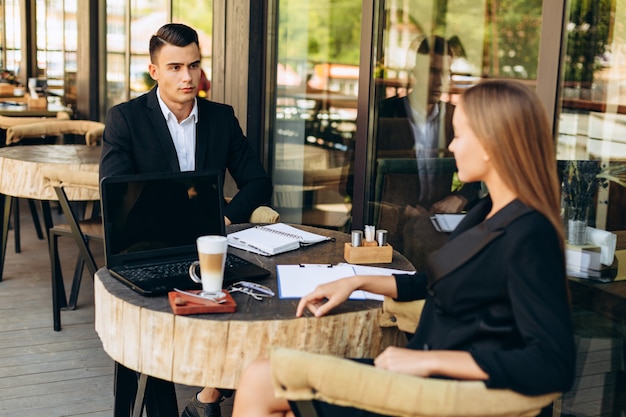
[21,169]
[144,335]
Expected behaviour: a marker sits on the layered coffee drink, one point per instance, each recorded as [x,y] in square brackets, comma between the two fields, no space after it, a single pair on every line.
[212,255]
[212,270]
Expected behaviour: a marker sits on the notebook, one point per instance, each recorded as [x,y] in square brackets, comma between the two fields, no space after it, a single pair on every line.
[273,239]
[151,222]
[446,222]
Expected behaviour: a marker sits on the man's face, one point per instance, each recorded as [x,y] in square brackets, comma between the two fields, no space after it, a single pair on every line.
[435,79]
[428,75]
[177,71]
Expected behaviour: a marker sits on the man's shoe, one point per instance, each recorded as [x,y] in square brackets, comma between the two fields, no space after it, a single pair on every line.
[195,408]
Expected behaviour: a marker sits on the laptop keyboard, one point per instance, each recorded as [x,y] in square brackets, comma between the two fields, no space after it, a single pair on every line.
[156,271]
[174,269]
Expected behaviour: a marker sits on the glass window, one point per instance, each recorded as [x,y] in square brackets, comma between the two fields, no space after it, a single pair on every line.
[56,55]
[144,22]
[116,61]
[314,123]
[199,15]
[12,42]
[427,52]
[592,123]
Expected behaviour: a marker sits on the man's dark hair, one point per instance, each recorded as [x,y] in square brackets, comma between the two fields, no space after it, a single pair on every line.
[175,34]
[440,46]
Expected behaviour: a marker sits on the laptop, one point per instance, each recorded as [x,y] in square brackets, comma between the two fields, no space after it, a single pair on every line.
[151,222]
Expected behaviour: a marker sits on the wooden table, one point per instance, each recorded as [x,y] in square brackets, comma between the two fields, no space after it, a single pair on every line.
[18,110]
[143,335]
[21,176]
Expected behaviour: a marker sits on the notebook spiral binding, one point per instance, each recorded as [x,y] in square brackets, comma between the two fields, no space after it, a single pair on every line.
[278,232]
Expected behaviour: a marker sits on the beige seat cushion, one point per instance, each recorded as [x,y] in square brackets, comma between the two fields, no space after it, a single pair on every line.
[298,375]
[91,130]
[10,121]
[71,178]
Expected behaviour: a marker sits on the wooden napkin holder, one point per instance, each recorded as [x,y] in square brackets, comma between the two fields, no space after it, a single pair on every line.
[39,103]
[6,89]
[368,253]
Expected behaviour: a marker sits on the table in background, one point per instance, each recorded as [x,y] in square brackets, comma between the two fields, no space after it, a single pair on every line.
[21,176]
[143,335]
[22,110]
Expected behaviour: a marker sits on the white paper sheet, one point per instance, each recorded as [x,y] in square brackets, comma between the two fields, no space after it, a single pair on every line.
[295,281]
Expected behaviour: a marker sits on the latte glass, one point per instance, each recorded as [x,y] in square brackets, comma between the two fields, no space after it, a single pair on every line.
[212,255]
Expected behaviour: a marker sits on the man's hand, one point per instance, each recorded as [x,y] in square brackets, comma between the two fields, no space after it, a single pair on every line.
[450,204]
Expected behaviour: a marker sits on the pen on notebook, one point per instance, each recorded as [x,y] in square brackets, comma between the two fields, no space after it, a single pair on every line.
[319,265]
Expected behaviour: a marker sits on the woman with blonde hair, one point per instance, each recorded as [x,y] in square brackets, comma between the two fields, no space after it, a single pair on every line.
[496,295]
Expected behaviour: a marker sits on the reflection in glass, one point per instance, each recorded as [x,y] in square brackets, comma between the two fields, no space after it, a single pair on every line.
[57,45]
[315,120]
[116,39]
[12,41]
[428,52]
[593,115]
[199,15]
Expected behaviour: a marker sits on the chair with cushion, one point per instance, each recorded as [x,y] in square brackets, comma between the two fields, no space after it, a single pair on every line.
[91,130]
[7,122]
[83,231]
[302,377]
[397,198]
[10,121]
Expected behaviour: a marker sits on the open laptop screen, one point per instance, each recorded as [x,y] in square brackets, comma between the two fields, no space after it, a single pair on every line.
[159,216]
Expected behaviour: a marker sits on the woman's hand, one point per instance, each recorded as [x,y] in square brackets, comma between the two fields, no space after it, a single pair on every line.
[406,361]
[425,363]
[327,296]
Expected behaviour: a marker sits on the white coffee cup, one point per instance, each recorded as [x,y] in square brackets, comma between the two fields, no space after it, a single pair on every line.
[212,255]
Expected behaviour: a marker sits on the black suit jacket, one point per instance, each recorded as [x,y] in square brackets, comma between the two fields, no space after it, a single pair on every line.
[136,140]
[498,290]
[395,134]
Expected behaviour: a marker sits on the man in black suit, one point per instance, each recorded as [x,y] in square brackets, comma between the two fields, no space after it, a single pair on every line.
[419,125]
[428,119]
[168,129]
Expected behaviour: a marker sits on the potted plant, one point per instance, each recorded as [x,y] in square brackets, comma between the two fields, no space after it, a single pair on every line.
[580,183]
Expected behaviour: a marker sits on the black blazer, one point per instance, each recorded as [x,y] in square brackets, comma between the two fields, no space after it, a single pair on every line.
[394,126]
[136,140]
[498,290]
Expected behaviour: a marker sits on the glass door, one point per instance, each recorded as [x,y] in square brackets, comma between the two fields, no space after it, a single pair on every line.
[425,53]
[314,123]
[592,123]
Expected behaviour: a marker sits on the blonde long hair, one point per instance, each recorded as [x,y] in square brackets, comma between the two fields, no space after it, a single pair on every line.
[512,124]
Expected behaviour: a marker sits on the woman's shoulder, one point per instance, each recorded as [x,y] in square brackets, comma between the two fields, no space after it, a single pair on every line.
[533,229]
